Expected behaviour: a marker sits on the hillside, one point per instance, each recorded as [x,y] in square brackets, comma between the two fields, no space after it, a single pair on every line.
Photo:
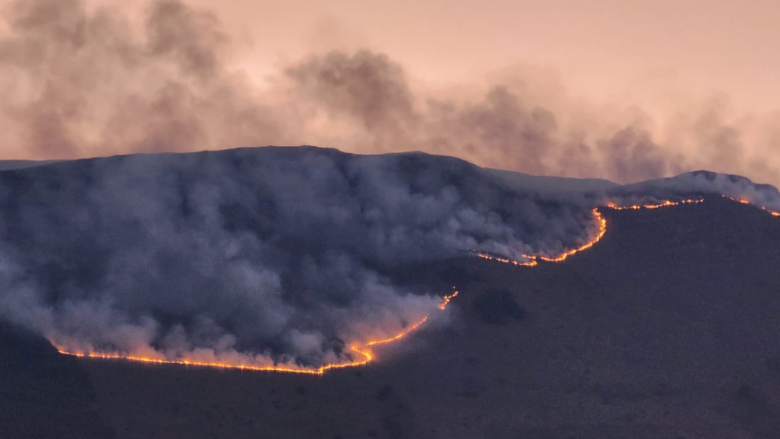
[666,328]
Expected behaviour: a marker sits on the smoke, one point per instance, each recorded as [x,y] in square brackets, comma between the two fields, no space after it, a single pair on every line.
[80,82]
[704,182]
[85,83]
[367,88]
[261,256]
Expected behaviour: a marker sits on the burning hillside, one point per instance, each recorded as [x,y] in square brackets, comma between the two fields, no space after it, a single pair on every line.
[281,259]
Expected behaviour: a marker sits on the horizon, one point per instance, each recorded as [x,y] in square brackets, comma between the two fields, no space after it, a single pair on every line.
[691,172]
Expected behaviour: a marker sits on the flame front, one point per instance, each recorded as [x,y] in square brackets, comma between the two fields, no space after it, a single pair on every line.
[533,260]
[602,223]
[364,352]
[602,230]
[530,263]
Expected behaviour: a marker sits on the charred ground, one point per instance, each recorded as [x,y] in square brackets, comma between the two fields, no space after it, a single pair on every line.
[666,328]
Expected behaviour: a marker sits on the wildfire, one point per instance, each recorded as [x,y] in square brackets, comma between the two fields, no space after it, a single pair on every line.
[667,203]
[364,352]
[602,230]
[533,260]
[530,263]
[602,223]
[446,299]
[745,201]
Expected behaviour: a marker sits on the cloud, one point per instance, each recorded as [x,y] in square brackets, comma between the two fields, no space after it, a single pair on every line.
[84,82]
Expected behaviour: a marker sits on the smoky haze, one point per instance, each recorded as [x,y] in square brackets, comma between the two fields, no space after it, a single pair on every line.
[84,81]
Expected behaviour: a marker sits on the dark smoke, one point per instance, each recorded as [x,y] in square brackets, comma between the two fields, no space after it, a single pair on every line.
[366,87]
[81,83]
[272,254]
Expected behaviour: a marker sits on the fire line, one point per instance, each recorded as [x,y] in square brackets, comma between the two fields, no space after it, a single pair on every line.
[745,201]
[533,260]
[364,351]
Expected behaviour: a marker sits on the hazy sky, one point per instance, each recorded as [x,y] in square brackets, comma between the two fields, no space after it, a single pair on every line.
[618,89]
[604,49]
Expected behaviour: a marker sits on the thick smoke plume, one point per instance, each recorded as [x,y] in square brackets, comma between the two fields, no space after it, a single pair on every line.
[271,255]
[78,83]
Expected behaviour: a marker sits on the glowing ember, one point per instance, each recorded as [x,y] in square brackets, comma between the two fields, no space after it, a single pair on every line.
[532,262]
[446,299]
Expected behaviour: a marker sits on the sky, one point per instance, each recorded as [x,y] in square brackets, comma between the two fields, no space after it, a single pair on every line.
[624,90]
[603,48]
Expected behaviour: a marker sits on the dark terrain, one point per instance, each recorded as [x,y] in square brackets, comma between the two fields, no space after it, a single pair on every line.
[667,328]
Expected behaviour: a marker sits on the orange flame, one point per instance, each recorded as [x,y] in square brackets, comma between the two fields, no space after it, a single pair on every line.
[532,262]
[366,354]
[602,231]
[602,224]
[745,201]
[446,299]
[666,203]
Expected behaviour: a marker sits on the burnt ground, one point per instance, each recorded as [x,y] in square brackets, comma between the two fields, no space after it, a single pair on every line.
[668,328]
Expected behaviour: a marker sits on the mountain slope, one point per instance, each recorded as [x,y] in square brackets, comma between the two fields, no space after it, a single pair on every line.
[665,328]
